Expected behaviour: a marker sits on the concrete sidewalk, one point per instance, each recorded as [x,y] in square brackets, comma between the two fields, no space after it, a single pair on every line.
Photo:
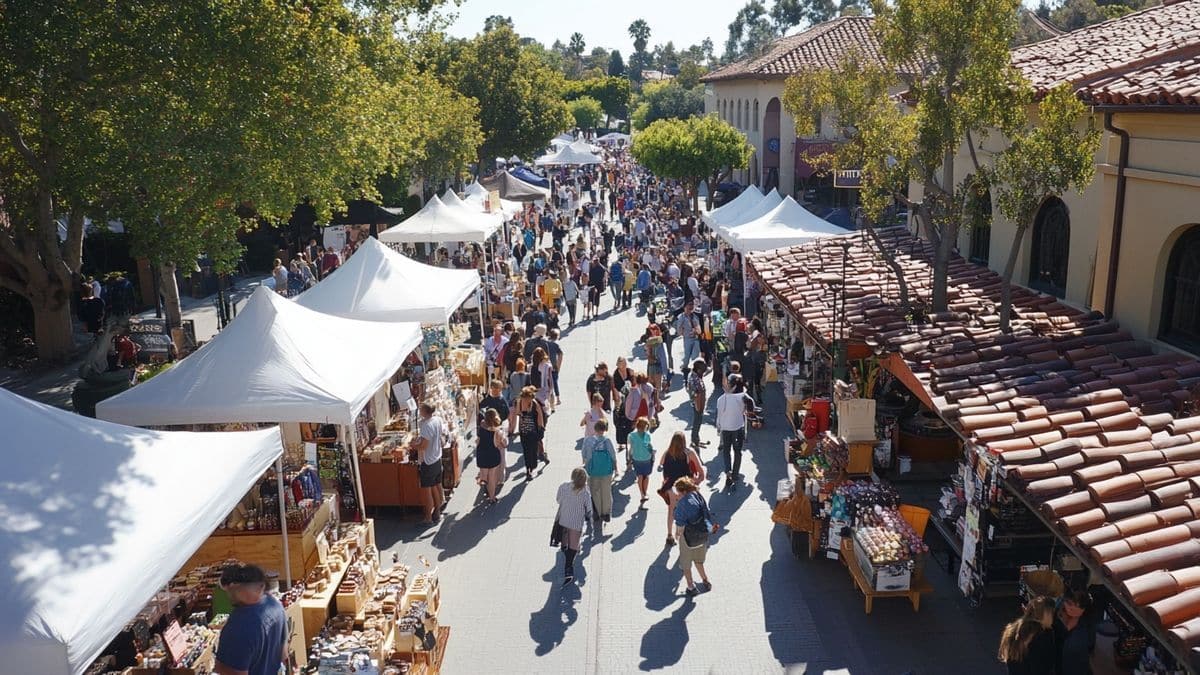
[53,385]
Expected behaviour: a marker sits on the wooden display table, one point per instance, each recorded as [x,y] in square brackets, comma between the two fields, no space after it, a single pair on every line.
[398,483]
[919,585]
[265,549]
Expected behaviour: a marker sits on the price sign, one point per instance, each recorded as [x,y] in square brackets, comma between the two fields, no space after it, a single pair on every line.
[175,641]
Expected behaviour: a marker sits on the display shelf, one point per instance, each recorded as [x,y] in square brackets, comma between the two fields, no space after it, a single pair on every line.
[317,609]
[919,584]
[265,549]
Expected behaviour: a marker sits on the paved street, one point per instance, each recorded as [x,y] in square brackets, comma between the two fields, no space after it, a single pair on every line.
[768,611]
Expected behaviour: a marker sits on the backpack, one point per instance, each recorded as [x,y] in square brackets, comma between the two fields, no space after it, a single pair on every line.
[601,463]
[535,377]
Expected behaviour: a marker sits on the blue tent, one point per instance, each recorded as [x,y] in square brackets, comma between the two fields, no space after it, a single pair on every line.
[521,173]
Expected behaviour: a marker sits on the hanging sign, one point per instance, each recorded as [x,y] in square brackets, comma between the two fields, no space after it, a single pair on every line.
[773,144]
[847,178]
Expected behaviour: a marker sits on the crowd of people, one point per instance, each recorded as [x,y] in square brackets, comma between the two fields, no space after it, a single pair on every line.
[616,239]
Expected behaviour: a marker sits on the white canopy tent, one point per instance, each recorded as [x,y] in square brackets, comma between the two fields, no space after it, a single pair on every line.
[758,210]
[276,362]
[476,194]
[437,223]
[97,518]
[379,284]
[788,224]
[749,197]
[577,153]
[614,137]
[450,198]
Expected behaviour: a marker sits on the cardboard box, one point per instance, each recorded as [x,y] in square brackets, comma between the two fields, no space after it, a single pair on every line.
[883,577]
[856,419]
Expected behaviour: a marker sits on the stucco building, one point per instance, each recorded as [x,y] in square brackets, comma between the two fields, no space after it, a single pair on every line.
[1129,245]
[748,94]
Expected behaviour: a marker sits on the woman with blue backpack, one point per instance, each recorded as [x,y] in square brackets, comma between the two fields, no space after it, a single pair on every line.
[600,462]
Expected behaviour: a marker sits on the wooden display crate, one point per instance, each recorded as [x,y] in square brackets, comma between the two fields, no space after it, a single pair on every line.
[265,549]
[317,610]
[861,453]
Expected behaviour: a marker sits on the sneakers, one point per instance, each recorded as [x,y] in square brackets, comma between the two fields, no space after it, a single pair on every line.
[728,481]
[692,591]
[607,518]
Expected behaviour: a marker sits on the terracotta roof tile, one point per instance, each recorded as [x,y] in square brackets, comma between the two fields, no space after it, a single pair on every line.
[1109,458]
[1151,57]
[825,45]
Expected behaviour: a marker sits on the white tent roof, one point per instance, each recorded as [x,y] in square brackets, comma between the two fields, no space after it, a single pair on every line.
[559,143]
[613,137]
[276,362]
[450,198]
[754,212]
[436,223]
[97,517]
[379,284]
[749,197]
[476,194]
[578,152]
[788,224]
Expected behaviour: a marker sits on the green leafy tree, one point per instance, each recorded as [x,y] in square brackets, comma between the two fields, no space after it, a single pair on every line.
[692,150]
[613,93]
[597,60]
[180,119]
[953,60]
[586,111]
[616,65]
[689,75]
[666,58]
[788,13]
[519,96]
[1042,160]
[495,21]
[750,32]
[667,100]
[639,30]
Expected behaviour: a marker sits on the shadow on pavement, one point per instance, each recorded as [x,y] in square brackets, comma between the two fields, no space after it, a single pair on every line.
[660,582]
[664,642]
[548,626]
[635,526]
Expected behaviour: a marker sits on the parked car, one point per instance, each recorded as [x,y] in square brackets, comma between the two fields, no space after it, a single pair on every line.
[725,193]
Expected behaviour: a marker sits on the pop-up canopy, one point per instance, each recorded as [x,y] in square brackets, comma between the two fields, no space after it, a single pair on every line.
[577,153]
[614,137]
[96,517]
[528,176]
[437,222]
[758,210]
[749,197]
[477,195]
[276,362]
[788,224]
[379,284]
[473,210]
[514,189]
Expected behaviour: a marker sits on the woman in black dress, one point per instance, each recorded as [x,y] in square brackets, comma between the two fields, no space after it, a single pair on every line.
[621,376]
[530,423]
[489,454]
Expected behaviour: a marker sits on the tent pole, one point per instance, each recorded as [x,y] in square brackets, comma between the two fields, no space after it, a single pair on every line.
[483,334]
[283,523]
[353,442]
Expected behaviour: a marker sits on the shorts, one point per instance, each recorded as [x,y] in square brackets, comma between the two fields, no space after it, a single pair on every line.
[430,474]
[689,554]
[653,369]
[643,469]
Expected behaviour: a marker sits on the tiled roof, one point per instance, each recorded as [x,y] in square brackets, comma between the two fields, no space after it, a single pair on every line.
[825,45]
[1147,57]
[1088,422]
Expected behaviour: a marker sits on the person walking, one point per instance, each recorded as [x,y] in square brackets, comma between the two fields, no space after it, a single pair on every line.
[570,294]
[731,424]
[641,455]
[489,453]
[621,379]
[600,461]
[687,326]
[656,355]
[596,279]
[254,639]
[642,400]
[574,511]
[554,351]
[1074,634]
[693,523]
[279,275]
[518,379]
[528,421]
[645,287]
[594,414]
[1027,644]
[616,276]
[699,396]
[428,444]
[599,382]
[494,400]
[493,350]
[541,375]
[677,462]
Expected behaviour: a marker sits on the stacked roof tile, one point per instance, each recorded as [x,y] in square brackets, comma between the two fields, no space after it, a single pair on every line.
[1151,57]
[1091,425]
[825,45]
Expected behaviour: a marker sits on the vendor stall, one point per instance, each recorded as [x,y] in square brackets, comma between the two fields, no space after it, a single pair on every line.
[99,517]
[748,197]
[437,222]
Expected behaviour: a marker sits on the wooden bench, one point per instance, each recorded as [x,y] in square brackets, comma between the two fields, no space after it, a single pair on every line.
[919,585]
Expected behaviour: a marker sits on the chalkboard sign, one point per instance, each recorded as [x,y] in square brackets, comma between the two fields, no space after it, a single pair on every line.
[154,339]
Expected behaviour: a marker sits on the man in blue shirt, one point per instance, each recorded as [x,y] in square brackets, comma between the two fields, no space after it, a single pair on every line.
[254,640]
[616,281]
[645,290]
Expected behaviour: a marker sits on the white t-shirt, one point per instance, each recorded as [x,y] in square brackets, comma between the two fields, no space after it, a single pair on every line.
[731,412]
[673,271]
[432,430]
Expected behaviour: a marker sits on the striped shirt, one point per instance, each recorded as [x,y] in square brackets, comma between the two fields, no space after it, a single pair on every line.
[574,508]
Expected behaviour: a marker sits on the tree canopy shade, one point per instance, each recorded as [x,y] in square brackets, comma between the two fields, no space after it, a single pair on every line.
[613,93]
[694,149]
[587,112]
[181,119]
[952,58]
[667,100]
[519,96]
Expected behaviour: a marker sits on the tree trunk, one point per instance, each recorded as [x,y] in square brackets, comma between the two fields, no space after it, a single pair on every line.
[53,330]
[169,288]
[947,237]
[890,258]
[1009,267]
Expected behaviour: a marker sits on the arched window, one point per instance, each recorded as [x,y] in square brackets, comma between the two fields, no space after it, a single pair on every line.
[1181,294]
[1051,247]
[756,114]
[979,217]
[739,113]
[721,108]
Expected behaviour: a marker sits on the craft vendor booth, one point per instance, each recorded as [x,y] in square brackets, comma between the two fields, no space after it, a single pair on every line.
[316,376]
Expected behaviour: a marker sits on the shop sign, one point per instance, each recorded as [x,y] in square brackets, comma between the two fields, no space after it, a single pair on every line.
[847,178]
[773,144]
[808,155]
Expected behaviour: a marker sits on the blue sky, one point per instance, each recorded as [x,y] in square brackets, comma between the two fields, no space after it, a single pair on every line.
[604,24]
